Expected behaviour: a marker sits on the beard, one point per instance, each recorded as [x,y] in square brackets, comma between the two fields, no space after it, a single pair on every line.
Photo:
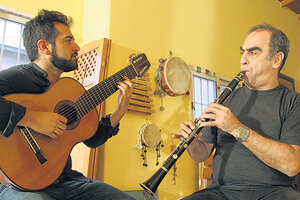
[62,63]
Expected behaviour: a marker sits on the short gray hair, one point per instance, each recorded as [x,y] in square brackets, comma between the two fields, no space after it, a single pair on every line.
[279,41]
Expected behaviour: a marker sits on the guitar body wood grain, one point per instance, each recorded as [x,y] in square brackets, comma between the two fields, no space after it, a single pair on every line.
[18,164]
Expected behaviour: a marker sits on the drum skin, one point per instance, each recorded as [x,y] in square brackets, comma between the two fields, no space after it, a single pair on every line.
[149,135]
[175,76]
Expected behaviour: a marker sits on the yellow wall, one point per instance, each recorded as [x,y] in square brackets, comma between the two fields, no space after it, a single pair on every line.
[96,20]
[203,33]
[73,8]
[123,164]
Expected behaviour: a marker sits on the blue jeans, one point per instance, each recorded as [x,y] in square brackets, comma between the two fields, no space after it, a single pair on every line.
[69,190]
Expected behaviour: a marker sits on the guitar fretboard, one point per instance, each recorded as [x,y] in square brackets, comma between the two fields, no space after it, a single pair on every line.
[98,93]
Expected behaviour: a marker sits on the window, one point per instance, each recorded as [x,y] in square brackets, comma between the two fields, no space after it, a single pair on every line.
[205,91]
[12,51]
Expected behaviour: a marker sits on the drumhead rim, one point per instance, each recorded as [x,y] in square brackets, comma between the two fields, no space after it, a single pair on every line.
[165,75]
[142,135]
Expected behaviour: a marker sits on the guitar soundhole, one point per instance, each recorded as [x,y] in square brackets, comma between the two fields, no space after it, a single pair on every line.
[67,109]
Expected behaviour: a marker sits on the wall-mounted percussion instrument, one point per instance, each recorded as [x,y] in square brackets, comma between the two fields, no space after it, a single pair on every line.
[149,136]
[175,76]
[153,182]
[141,99]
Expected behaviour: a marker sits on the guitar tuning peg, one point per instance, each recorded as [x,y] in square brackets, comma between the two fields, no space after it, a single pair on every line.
[130,57]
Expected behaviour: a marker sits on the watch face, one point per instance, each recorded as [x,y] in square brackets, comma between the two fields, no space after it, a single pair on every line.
[243,134]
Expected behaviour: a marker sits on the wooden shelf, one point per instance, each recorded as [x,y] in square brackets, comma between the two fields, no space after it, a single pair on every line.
[293,5]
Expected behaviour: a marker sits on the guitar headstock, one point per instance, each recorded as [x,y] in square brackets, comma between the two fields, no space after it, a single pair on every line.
[140,63]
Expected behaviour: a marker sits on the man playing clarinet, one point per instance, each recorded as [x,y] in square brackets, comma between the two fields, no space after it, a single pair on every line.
[256,132]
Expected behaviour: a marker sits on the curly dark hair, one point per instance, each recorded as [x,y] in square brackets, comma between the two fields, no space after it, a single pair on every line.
[42,27]
[279,41]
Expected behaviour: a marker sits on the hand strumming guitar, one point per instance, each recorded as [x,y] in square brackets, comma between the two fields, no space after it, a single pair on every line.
[47,123]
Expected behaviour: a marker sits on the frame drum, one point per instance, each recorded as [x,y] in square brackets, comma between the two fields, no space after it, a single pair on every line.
[149,135]
[175,76]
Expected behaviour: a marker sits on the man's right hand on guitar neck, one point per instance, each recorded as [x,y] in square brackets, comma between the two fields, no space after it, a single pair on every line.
[47,123]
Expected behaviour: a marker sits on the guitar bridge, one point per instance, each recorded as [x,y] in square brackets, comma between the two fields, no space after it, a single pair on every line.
[33,145]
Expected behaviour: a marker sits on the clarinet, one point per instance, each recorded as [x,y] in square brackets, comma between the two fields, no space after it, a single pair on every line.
[153,182]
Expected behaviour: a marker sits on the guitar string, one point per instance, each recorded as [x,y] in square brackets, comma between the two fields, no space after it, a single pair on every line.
[68,111]
[28,138]
[104,89]
[90,104]
[96,93]
[82,101]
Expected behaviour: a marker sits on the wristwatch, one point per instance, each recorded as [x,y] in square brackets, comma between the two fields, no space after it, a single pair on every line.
[243,134]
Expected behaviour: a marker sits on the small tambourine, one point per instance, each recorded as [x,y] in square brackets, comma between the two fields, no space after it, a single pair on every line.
[175,76]
[149,136]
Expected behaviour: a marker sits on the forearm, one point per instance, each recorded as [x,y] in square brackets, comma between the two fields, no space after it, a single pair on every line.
[123,101]
[104,132]
[26,120]
[10,114]
[280,156]
[30,118]
[116,116]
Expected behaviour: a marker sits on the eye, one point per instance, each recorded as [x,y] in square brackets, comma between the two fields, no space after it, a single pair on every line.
[253,53]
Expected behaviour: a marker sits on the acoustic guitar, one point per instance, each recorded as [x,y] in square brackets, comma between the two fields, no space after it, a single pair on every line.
[33,161]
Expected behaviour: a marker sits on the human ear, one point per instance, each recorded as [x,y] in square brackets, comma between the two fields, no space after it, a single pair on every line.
[44,46]
[278,59]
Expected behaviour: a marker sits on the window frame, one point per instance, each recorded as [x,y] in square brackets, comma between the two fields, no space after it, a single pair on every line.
[205,167]
[220,80]
[16,16]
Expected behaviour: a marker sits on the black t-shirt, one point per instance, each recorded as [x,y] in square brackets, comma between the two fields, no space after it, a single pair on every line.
[275,114]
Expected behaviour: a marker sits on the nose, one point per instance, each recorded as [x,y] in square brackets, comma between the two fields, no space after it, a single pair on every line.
[76,47]
[244,59]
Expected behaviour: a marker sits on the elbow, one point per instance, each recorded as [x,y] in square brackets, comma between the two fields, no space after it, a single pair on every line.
[292,169]
[293,173]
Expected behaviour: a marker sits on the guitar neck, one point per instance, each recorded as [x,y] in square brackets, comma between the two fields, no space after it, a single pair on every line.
[98,93]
